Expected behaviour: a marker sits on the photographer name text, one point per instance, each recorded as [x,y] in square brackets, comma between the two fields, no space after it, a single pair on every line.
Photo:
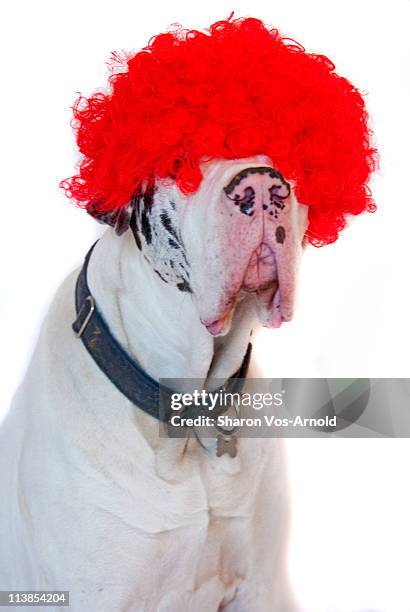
[228,422]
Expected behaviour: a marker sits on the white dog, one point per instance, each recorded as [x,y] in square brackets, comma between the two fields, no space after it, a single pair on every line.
[93,500]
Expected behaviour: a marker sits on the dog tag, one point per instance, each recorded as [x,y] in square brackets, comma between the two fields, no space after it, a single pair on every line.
[226,444]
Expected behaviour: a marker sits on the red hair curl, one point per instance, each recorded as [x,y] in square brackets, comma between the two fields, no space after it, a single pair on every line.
[236,90]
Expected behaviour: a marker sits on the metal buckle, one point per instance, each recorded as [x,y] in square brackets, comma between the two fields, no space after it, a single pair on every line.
[90,300]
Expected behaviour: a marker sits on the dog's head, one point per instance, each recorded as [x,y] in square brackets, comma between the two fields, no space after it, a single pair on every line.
[205,145]
[241,233]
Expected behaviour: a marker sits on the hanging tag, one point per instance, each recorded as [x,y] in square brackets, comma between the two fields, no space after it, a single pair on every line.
[226,444]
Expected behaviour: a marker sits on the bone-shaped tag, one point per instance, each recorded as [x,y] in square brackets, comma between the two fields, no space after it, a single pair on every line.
[226,444]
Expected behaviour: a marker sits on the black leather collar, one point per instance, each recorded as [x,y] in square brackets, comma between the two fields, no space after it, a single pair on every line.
[129,378]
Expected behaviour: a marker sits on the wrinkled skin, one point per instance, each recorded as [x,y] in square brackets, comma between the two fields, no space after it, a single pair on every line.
[241,232]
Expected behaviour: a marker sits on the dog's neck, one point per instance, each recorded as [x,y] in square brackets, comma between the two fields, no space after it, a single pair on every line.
[158,325]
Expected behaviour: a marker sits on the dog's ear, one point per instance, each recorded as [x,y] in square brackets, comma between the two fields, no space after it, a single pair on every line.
[119,218]
[123,219]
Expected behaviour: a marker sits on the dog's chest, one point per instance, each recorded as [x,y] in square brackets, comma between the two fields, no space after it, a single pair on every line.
[199,510]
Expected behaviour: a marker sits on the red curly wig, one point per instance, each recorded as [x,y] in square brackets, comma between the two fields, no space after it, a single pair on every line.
[236,90]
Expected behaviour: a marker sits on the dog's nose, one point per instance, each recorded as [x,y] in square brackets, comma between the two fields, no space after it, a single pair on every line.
[258,188]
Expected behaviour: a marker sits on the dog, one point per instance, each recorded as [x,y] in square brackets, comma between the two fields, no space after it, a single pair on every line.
[94,500]
[203,157]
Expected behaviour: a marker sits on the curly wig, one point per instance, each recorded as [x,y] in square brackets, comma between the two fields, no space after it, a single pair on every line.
[235,90]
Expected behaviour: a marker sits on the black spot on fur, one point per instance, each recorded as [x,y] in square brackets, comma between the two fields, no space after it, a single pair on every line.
[184,286]
[166,222]
[280,234]
[181,265]
[173,244]
[94,210]
[184,256]
[146,227]
[134,229]
[123,220]
[148,196]
[160,275]
[148,201]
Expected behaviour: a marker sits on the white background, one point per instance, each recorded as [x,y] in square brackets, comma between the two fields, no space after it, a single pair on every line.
[351,539]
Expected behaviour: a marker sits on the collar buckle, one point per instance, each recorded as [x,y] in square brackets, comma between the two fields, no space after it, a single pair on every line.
[89,301]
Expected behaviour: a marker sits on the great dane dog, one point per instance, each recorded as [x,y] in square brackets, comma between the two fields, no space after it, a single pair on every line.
[93,500]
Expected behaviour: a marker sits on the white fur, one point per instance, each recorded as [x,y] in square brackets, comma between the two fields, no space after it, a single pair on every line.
[92,499]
